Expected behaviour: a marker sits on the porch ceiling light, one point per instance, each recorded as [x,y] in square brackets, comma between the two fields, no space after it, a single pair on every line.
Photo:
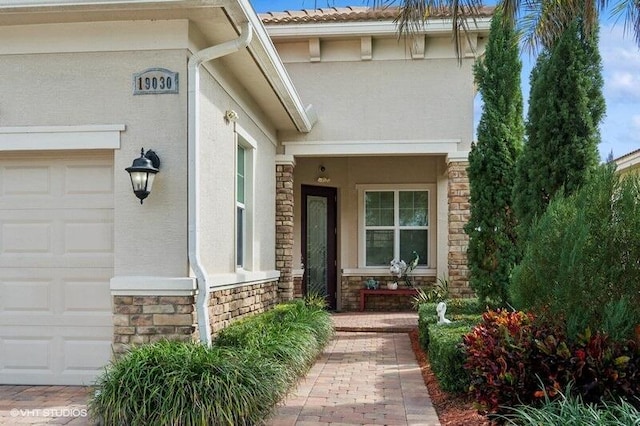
[322,177]
[142,172]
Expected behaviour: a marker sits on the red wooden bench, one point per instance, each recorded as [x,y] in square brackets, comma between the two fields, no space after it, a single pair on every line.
[364,292]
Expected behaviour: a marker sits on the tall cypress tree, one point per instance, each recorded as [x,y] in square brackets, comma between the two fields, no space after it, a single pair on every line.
[566,107]
[492,251]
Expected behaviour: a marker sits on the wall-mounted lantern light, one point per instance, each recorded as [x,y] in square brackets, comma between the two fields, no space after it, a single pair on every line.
[142,172]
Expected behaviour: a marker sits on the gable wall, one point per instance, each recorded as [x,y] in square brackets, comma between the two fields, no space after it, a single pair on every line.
[389,97]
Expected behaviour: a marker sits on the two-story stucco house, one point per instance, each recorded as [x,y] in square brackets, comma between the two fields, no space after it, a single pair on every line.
[299,155]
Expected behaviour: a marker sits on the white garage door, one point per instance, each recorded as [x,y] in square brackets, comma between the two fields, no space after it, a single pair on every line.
[56,260]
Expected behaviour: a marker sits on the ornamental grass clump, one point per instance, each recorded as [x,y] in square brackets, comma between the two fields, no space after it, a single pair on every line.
[572,411]
[239,380]
[293,334]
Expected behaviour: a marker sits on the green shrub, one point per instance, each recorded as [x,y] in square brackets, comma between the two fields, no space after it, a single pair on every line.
[580,264]
[238,381]
[447,356]
[438,293]
[572,411]
[467,310]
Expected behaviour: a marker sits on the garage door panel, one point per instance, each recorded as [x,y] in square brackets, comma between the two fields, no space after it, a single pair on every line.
[65,238]
[56,261]
[26,237]
[88,237]
[24,353]
[87,295]
[19,181]
[88,179]
[84,355]
[72,201]
[42,321]
[25,296]
[63,359]
[58,292]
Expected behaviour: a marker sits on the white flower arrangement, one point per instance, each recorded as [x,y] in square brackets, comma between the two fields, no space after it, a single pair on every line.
[400,269]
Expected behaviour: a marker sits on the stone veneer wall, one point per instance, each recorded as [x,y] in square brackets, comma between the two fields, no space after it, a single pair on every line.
[145,319]
[231,304]
[459,213]
[350,294]
[284,229]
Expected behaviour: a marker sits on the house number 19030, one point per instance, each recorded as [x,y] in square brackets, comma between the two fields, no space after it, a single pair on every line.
[155,81]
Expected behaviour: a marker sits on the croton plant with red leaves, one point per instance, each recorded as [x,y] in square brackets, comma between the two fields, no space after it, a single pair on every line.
[514,359]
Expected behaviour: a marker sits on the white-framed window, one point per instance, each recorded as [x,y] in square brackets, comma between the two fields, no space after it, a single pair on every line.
[245,148]
[395,222]
[241,208]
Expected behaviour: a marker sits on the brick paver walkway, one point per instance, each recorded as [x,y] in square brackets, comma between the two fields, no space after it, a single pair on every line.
[364,377]
[44,405]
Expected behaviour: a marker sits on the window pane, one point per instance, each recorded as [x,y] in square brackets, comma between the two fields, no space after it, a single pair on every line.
[240,237]
[414,240]
[379,208]
[240,175]
[379,250]
[414,208]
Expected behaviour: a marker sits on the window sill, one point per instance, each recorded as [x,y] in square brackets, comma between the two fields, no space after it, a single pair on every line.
[420,272]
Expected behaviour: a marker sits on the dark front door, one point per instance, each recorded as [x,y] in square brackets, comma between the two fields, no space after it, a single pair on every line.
[319,242]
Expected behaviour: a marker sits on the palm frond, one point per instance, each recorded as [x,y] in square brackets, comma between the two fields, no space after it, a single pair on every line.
[630,11]
[543,21]
[414,14]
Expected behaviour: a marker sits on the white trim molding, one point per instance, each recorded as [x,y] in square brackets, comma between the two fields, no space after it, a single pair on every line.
[285,160]
[30,138]
[240,278]
[371,147]
[457,156]
[153,286]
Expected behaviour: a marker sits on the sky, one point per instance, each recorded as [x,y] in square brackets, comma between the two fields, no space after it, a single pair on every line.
[620,130]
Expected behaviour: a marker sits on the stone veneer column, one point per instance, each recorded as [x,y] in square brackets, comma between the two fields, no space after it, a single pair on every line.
[284,225]
[458,195]
[148,309]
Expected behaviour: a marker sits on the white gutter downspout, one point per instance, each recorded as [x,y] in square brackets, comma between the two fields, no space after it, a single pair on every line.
[197,59]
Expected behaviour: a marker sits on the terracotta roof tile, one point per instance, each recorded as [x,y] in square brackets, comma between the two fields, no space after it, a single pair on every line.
[345,14]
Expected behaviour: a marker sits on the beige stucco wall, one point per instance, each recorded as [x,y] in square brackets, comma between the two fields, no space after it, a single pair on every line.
[217,163]
[53,77]
[346,174]
[59,89]
[412,99]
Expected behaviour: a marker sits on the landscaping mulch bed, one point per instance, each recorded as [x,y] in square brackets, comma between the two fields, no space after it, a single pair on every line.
[453,410]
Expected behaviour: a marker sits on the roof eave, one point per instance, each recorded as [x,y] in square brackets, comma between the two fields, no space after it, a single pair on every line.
[367,28]
[269,61]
